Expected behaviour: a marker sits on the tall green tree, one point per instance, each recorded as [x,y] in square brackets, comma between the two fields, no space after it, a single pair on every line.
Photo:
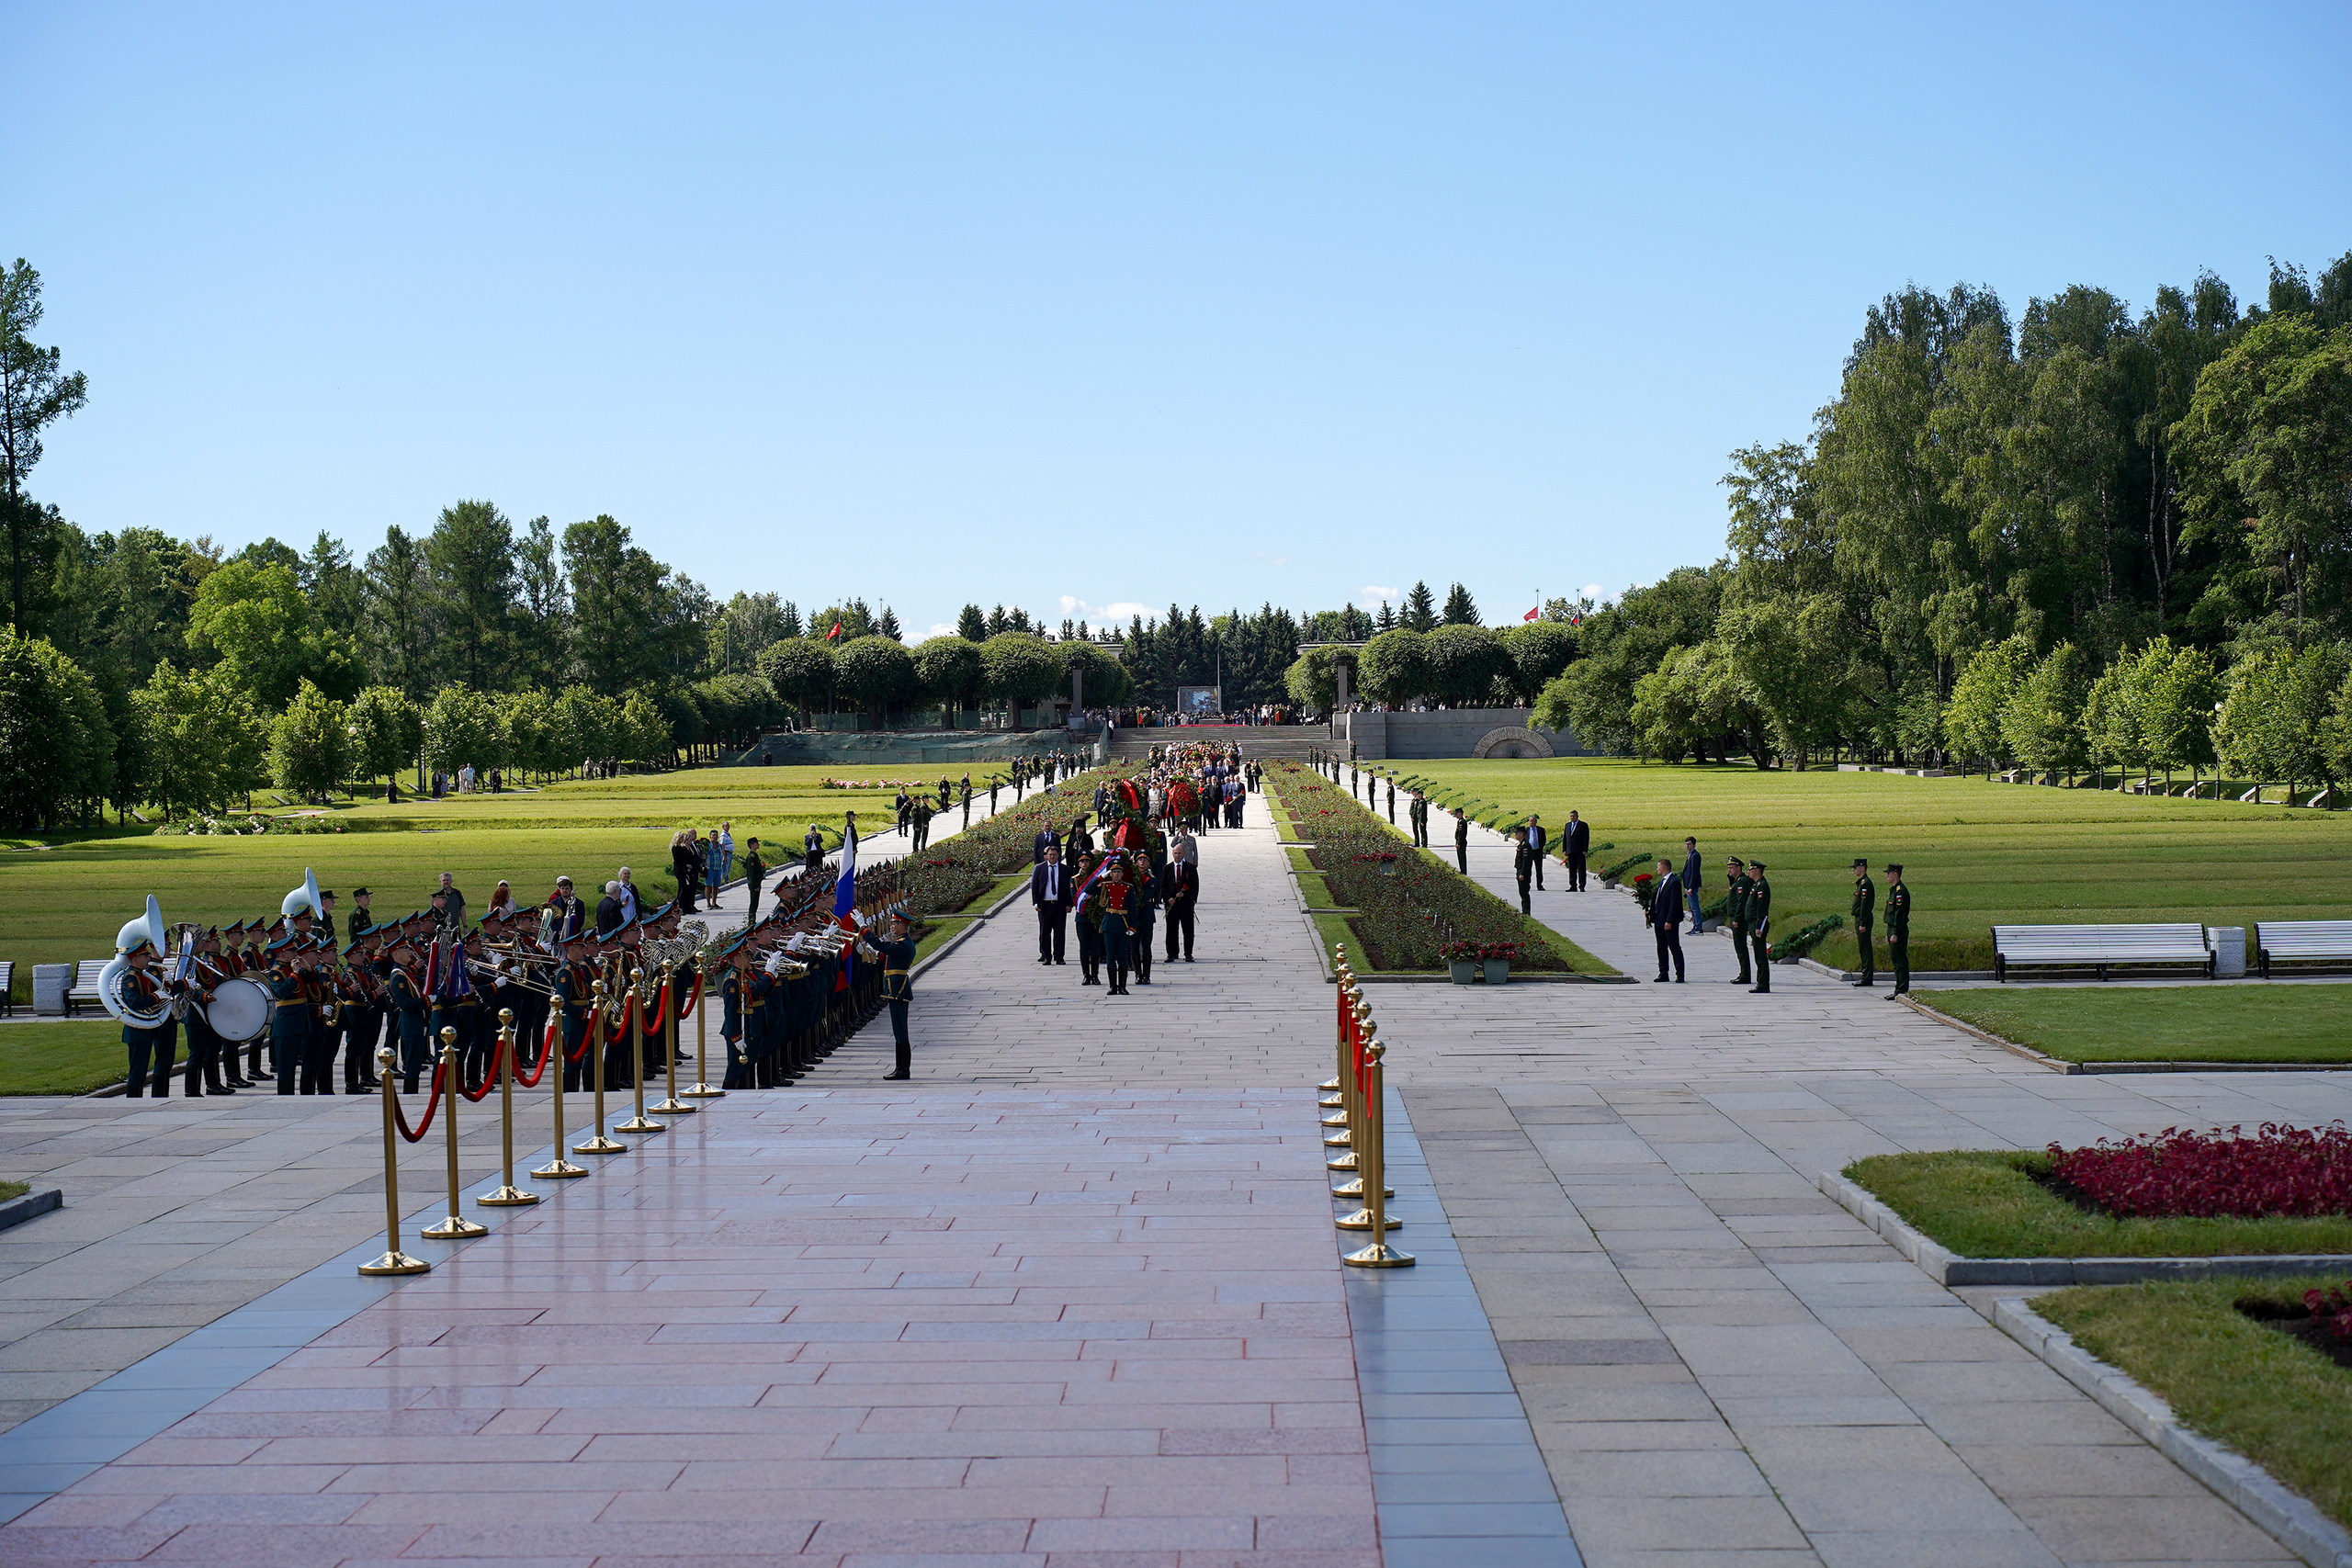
[800,671]
[267,636]
[1419,613]
[950,672]
[542,606]
[310,745]
[397,596]
[1460,610]
[387,731]
[972,626]
[470,558]
[35,393]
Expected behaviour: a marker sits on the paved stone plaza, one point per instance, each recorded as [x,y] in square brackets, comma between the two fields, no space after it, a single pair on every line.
[1072,1297]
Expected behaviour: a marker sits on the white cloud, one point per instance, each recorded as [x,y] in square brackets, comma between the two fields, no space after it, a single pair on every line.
[1370,595]
[1594,591]
[941,628]
[1121,610]
[1268,558]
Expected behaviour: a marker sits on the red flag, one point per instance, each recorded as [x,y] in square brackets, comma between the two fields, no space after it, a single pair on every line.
[1532,613]
[834,633]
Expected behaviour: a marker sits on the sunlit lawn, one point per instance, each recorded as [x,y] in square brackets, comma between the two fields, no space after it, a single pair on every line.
[1976,854]
[66,903]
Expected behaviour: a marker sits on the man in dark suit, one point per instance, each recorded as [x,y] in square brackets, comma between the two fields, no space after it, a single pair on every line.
[610,913]
[1049,895]
[1046,839]
[1575,843]
[1536,840]
[1180,892]
[1666,910]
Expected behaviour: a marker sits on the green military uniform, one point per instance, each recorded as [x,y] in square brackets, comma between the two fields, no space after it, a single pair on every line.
[1898,931]
[897,956]
[1736,917]
[1865,905]
[1760,927]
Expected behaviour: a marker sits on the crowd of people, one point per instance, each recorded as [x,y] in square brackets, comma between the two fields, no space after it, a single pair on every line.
[1146,867]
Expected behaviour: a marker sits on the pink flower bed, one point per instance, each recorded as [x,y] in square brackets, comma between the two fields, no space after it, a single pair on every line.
[2279,1170]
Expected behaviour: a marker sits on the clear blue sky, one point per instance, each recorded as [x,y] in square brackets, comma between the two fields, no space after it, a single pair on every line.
[1086,305]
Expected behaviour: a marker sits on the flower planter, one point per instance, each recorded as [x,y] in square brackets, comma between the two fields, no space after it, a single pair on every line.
[1498,971]
[1465,971]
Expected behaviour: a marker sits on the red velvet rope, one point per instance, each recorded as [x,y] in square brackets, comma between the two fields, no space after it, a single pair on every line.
[693,1001]
[430,1105]
[660,1009]
[489,1079]
[615,1030]
[547,1049]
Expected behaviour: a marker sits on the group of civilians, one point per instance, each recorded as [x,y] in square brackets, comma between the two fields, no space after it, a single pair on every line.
[702,864]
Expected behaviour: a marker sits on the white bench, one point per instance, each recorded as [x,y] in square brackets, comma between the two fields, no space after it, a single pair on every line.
[84,991]
[2100,947]
[7,987]
[2301,941]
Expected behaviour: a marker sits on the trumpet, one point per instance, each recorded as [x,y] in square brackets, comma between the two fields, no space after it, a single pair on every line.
[491,972]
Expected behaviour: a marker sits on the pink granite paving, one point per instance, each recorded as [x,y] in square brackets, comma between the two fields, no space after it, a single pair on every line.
[997,1327]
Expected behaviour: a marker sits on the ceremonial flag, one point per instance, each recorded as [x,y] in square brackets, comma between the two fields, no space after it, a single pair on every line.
[845,899]
[1532,613]
[834,633]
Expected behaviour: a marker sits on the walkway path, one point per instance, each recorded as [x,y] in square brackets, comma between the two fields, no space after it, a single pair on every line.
[1072,1293]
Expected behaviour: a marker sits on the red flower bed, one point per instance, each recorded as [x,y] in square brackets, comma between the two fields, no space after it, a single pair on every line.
[2280,1170]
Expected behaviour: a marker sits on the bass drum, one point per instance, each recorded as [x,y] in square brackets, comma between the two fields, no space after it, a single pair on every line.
[239,1010]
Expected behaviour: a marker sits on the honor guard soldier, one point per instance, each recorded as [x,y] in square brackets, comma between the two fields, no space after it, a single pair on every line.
[1460,842]
[1524,859]
[1864,905]
[290,1023]
[575,996]
[1898,929]
[896,953]
[1736,917]
[404,993]
[1760,925]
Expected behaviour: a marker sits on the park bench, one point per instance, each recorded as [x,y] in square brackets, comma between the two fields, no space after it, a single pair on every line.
[2099,947]
[7,987]
[2301,941]
[84,991]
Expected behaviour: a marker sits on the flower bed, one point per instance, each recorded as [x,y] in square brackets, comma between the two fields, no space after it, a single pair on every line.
[948,876]
[1407,906]
[2279,1170]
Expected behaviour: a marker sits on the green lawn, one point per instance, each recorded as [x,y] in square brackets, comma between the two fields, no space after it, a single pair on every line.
[1976,854]
[9,1189]
[2164,1023]
[1985,1203]
[61,1058]
[66,902]
[2240,1382]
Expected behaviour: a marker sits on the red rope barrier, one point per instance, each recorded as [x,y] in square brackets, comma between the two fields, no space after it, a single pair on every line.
[547,1049]
[692,1002]
[489,1079]
[430,1105]
[660,1009]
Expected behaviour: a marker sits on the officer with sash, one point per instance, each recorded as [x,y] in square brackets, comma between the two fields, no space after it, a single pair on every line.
[896,953]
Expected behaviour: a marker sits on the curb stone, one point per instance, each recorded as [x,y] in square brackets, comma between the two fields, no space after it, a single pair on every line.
[33,1205]
[2287,1517]
[1948,1269]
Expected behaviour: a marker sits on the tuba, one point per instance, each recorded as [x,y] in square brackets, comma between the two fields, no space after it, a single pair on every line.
[303,899]
[147,931]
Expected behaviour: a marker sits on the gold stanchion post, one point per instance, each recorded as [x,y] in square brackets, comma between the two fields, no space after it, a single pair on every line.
[1378,1254]
[1367,1163]
[508,1195]
[703,1090]
[640,1121]
[671,1105]
[560,1169]
[597,1142]
[394,1261]
[456,1227]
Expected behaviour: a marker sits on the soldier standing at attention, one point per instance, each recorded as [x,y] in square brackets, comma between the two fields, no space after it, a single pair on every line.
[1460,842]
[1736,917]
[1760,926]
[1392,802]
[896,953]
[1898,930]
[1523,862]
[1865,904]
[755,870]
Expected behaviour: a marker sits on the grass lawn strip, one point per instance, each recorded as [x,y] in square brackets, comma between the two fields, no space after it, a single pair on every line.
[1978,854]
[60,1058]
[1985,1204]
[2227,1377]
[2308,1024]
[1348,818]
[13,1190]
